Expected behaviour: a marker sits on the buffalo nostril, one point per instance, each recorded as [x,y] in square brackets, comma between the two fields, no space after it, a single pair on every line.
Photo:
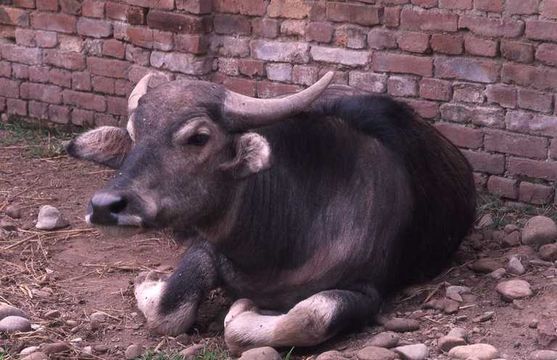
[106,206]
[118,205]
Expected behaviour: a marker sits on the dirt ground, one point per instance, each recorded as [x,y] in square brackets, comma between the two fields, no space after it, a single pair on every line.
[78,272]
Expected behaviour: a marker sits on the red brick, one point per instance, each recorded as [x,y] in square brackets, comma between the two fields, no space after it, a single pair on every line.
[195,44]
[398,63]
[456,112]
[426,109]
[339,56]
[117,105]
[135,15]
[114,48]
[251,67]
[159,4]
[231,24]
[488,116]
[51,94]
[49,5]
[503,187]
[137,55]
[7,31]
[447,44]
[242,86]
[20,54]
[93,8]
[541,30]
[470,93]
[267,89]
[518,74]
[59,114]
[434,20]
[46,39]
[549,9]
[455,4]
[533,168]
[254,8]
[267,28]
[28,4]
[60,77]
[413,41]
[140,36]
[279,72]
[534,100]
[123,87]
[402,86]
[491,27]
[489,5]
[381,39]
[9,88]
[174,22]
[391,16]
[535,193]
[293,9]
[461,136]
[106,120]
[232,46]
[547,53]
[55,22]
[38,110]
[293,28]
[553,149]
[425,3]
[361,14]
[529,123]
[521,7]
[20,71]
[434,89]
[103,84]
[368,81]
[517,51]
[184,63]
[84,100]
[64,59]
[295,52]
[82,117]
[318,11]
[350,36]
[116,11]
[320,32]
[481,47]
[107,67]
[14,16]
[38,73]
[71,6]
[305,74]
[94,28]
[484,162]
[486,71]
[25,37]
[6,69]
[515,144]
[16,107]
[163,40]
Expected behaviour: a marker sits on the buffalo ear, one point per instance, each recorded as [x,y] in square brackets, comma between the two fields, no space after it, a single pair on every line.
[106,145]
[253,154]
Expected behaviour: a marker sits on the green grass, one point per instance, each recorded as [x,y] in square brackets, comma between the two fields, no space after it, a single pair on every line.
[504,213]
[206,354]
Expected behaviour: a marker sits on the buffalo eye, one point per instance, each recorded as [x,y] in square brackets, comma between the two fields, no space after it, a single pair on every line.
[198,139]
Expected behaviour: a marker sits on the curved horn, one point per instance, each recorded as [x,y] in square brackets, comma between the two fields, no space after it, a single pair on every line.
[138,91]
[247,112]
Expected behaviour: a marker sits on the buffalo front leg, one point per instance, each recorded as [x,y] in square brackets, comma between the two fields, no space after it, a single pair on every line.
[170,303]
[308,323]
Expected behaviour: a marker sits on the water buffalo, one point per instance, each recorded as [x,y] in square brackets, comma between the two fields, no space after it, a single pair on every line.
[309,209]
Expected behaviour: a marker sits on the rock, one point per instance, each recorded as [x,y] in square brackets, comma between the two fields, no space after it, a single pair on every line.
[453,292]
[548,252]
[488,315]
[498,274]
[87,350]
[50,218]
[98,316]
[386,339]
[54,348]
[543,355]
[458,332]
[133,351]
[547,332]
[511,240]
[475,351]
[52,314]
[330,355]
[539,230]
[446,343]
[448,306]
[8,225]
[28,350]
[375,353]
[262,353]
[13,211]
[514,289]
[9,310]
[36,356]
[190,353]
[100,348]
[485,265]
[514,266]
[412,352]
[402,325]
[11,324]
[509,228]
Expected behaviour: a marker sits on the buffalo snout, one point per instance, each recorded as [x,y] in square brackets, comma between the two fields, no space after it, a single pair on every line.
[112,208]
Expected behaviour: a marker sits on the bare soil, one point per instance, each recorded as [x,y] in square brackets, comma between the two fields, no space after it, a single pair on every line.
[78,271]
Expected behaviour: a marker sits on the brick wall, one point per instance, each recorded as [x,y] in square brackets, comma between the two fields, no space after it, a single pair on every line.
[484,70]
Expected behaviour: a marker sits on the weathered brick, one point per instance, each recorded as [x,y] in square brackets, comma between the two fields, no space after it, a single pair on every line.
[184,63]
[84,100]
[82,117]
[484,162]
[447,44]
[320,32]
[137,55]
[455,4]
[518,74]
[28,4]
[293,9]
[38,73]
[70,43]
[25,37]
[503,187]
[521,7]
[174,22]
[251,67]
[117,105]
[230,24]
[9,88]
[402,86]
[425,3]
[46,39]
[93,8]
[140,36]
[54,22]
[60,77]
[20,71]
[14,16]
[94,27]
[535,193]
[38,110]
[116,11]
[6,69]
[434,89]
[123,87]
[391,16]
[163,40]
[399,63]
[517,51]
[531,124]
[59,114]
[241,86]
[534,168]
[413,41]
[549,9]
[267,89]
[51,94]
[49,5]
[553,149]
[64,59]
[294,52]
[491,27]
[461,136]
[380,39]
[351,36]
[367,81]
[535,100]
[482,47]
[541,30]
[425,108]
[361,14]
[108,67]
[293,27]
[232,46]
[195,44]
[279,72]
[340,56]
[547,53]
[205,7]
[103,84]
[71,6]
[20,54]
[305,74]
[515,144]
[426,20]
[485,71]
[489,5]
[114,48]
[470,93]
[267,28]
[254,8]
[16,107]
[159,4]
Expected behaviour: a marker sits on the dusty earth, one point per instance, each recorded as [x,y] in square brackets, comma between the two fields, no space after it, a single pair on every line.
[78,272]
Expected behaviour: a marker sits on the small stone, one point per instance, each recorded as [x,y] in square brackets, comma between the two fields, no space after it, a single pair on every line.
[375,353]
[50,218]
[100,348]
[547,333]
[514,266]
[412,352]
[28,350]
[8,225]
[52,314]
[548,252]
[88,350]
[539,230]
[454,292]
[485,265]
[488,315]
[98,316]
[262,353]
[533,324]
[543,355]
[36,356]
[9,310]
[448,306]
[385,339]
[189,353]
[446,343]
[13,211]
[509,228]
[330,355]
[498,274]
[514,289]
[458,332]
[54,348]
[133,351]
[511,240]
[402,325]
[11,324]
[475,351]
